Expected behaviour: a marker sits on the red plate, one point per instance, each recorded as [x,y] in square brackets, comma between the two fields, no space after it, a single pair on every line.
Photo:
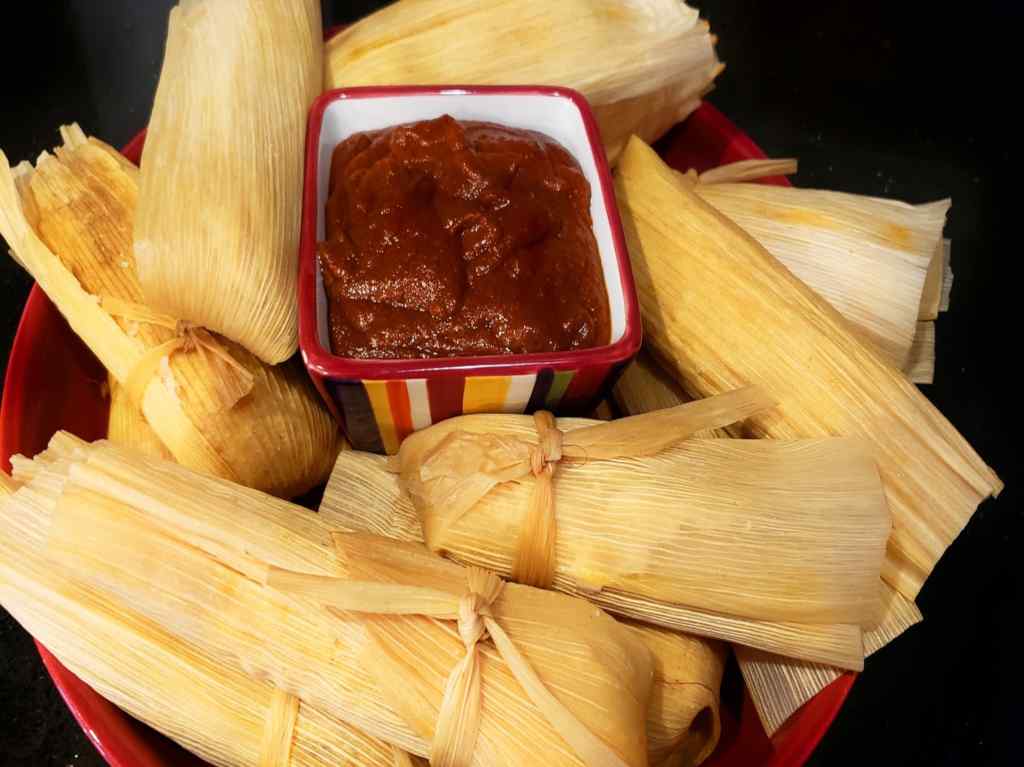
[53,382]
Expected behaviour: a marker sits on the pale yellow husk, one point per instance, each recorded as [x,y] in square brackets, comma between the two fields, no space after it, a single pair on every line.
[683,722]
[216,711]
[778,685]
[921,362]
[938,284]
[721,312]
[126,425]
[190,552]
[220,198]
[222,413]
[766,514]
[643,65]
[364,495]
[867,256]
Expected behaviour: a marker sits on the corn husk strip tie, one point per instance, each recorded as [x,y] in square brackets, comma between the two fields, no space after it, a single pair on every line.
[189,337]
[279,729]
[459,719]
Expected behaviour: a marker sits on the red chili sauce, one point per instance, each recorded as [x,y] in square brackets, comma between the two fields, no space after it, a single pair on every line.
[448,238]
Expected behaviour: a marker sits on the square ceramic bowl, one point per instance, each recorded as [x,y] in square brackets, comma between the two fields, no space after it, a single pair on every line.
[379,402]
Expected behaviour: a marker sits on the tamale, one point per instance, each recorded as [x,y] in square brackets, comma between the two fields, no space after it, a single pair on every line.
[631,524]
[126,425]
[362,491]
[682,719]
[215,407]
[778,685]
[217,232]
[867,256]
[643,65]
[719,312]
[173,544]
[216,712]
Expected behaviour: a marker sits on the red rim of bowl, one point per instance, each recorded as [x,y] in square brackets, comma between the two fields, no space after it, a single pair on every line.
[124,742]
[322,362]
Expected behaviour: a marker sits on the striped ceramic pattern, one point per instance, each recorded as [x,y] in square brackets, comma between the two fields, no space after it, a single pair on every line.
[378,415]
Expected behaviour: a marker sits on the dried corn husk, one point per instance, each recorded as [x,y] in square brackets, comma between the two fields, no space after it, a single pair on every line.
[867,256]
[218,713]
[778,685]
[362,491]
[937,284]
[921,362]
[126,425]
[628,517]
[159,536]
[642,64]
[721,312]
[683,724]
[216,407]
[683,718]
[217,232]
[644,387]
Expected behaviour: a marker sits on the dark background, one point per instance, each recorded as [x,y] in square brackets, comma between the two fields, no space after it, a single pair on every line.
[905,99]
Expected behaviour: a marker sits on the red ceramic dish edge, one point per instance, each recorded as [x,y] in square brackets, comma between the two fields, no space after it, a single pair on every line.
[322,363]
[125,743]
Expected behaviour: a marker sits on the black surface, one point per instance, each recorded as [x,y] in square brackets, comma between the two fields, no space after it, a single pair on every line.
[907,100]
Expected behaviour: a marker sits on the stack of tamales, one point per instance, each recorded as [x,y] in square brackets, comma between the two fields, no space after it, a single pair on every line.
[643,65]
[213,405]
[147,548]
[719,311]
[683,719]
[776,545]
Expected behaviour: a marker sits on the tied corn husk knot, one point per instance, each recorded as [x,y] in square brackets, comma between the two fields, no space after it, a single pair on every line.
[189,338]
[534,564]
[458,721]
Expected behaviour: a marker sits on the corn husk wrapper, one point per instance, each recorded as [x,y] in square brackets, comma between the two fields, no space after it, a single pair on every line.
[683,724]
[216,408]
[720,312]
[867,256]
[363,492]
[220,197]
[629,515]
[643,65]
[126,425]
[778,685]
[173,544]
[218,713]
[920,367]
[938,285]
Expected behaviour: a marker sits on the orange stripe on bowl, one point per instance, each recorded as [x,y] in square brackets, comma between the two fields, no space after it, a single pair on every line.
[401,411]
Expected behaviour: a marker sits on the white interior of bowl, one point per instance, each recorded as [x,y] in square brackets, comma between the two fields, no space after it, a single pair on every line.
[554,115]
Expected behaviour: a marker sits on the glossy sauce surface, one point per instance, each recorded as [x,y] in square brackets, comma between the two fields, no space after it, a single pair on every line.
[450,239]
